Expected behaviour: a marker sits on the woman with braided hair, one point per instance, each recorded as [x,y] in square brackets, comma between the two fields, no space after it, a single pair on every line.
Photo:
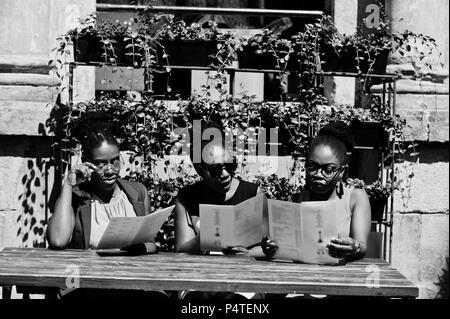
[92,192]
[91,195]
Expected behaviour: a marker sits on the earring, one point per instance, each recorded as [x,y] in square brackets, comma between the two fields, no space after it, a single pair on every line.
[340,189]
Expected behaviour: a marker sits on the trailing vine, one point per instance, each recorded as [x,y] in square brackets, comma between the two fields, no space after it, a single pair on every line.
[149,129]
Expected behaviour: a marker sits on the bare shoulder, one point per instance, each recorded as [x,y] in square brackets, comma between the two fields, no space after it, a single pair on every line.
[359,192]
[359,195]
[178,203]
[180,206]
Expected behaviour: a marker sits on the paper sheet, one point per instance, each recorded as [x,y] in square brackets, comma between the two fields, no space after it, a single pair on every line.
[285,228]
[303,230]
[125,231]
[223,226]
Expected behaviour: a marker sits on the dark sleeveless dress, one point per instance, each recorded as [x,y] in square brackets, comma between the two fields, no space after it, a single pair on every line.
[191,197]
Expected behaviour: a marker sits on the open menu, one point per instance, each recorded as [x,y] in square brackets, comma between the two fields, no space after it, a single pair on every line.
[302,230]
[125,231]
[224,226]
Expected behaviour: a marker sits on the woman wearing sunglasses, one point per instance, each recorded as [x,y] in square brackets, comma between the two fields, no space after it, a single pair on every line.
[326,167]
[93,193]
[218,186]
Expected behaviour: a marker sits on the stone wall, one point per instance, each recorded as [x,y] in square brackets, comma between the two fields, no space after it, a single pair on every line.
[426,17]
[27,90]
[29,29]
[421,226]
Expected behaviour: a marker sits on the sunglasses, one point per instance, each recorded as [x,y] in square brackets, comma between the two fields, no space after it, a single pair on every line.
[116,164]
[215,170]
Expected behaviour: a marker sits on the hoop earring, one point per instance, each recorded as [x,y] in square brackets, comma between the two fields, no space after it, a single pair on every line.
[340,189]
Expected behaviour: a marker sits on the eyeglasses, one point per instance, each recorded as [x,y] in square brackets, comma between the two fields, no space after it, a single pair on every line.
[103,165]
[327,170]
[215,170]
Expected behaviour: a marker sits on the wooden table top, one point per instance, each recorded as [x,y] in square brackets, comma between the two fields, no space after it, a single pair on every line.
[175,271]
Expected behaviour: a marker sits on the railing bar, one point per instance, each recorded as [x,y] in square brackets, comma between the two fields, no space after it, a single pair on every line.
[364,148]
[210,10]
[348,74]
[206,68]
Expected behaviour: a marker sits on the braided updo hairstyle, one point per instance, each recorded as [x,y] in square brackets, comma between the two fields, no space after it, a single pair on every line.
[93,129]
[339,137]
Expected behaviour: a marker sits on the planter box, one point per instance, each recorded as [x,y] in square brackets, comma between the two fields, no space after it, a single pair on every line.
[188,53]
[369,134]
[91,49]
[88,49]
[249,59]
[377,207]
[346,62]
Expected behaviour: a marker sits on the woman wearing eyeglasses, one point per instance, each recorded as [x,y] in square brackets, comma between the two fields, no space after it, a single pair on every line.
[326,167]
[218,186]
[93,193]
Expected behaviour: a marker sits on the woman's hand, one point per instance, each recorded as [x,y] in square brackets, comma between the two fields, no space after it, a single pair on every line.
[237,250]
[141,249]
[80,173]
[343,247]
[62,222]
[196,221]
[269,247]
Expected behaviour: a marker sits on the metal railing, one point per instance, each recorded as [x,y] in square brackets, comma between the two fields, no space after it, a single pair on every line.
[211,10]
[388,92]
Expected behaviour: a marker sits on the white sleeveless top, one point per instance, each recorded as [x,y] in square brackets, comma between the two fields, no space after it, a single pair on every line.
[101,213]
[344,213]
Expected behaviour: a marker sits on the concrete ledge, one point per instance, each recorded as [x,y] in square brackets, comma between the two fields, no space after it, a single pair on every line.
[24,64]
[421,87]
[407,86]
[22,60]
[28,79]
[24,117]
[28,93]
[9,68]
[407,70]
